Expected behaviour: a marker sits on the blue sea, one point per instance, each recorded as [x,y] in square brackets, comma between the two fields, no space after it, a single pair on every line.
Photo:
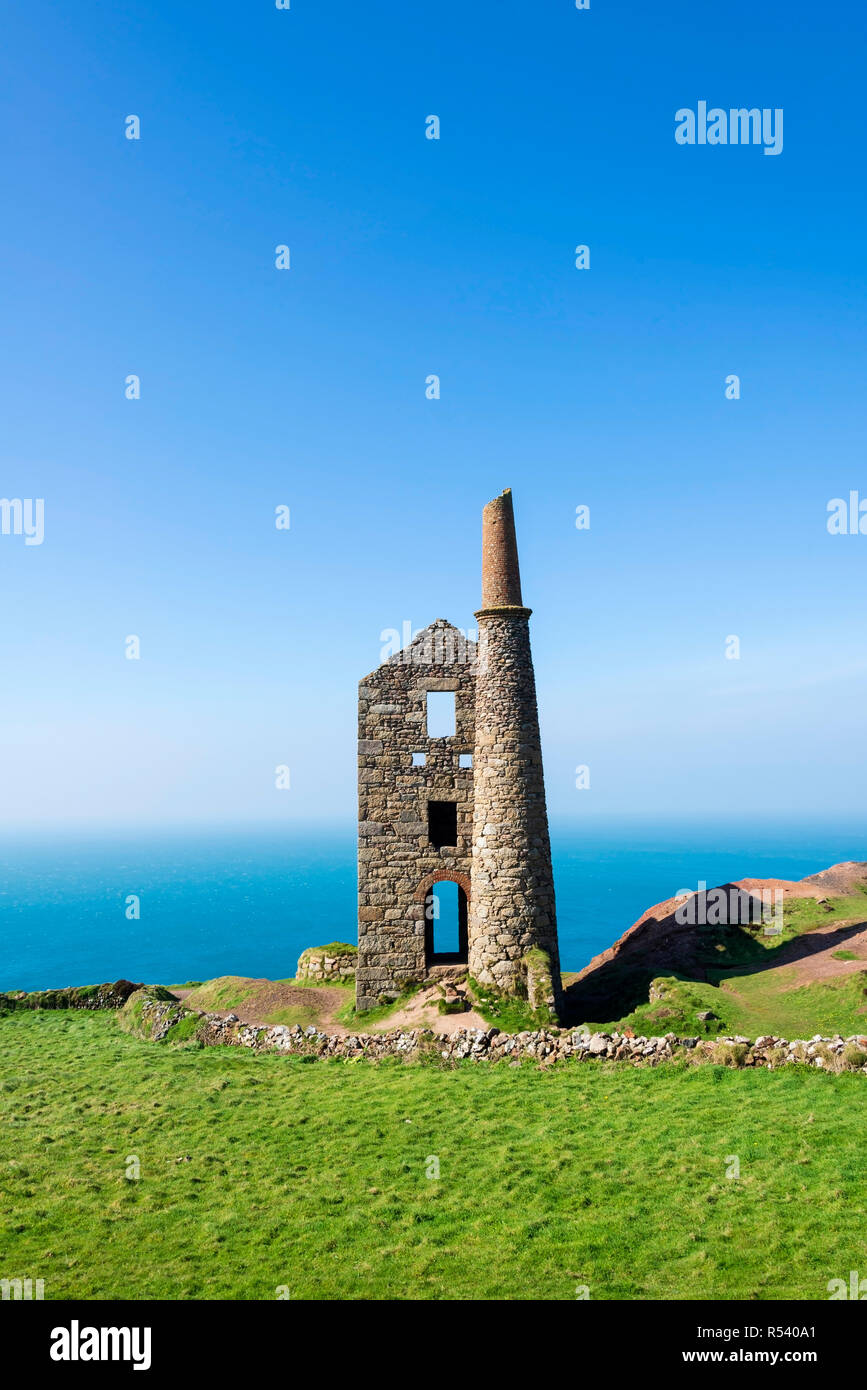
[247,902]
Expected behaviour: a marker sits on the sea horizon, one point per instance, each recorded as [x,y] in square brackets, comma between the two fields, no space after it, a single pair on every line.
[220,899]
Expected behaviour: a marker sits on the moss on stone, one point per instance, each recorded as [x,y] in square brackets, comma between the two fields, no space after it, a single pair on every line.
[334,948]
[104,996]
[541,991]
[153,1013]
[729,1054]
[334,963]
[186,1027]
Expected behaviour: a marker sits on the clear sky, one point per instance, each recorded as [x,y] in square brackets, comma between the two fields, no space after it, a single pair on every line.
[306,387]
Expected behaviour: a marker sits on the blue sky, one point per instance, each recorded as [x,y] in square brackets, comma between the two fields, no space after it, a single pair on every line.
[259,387]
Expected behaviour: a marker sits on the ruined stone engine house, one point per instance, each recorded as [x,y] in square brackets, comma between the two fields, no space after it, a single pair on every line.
[466,807]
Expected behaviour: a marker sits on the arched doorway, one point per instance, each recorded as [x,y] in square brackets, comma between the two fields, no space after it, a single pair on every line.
[425,893]
[445,924]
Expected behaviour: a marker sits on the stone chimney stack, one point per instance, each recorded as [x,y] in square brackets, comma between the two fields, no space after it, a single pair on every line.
[501,577]
[512,904]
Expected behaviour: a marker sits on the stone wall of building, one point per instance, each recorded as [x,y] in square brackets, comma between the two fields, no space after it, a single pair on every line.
[397,863]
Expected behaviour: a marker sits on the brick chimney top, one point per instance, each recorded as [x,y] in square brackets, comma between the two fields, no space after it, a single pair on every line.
[501,577]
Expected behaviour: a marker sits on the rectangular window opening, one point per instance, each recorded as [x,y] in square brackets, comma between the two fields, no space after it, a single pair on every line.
[442,823]
[441,714]
[465,760]
[419,759]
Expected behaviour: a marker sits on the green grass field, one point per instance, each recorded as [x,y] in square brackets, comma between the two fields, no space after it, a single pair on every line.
[258,1172]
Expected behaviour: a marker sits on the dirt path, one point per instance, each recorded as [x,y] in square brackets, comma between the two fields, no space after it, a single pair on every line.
[322,1004]
[421,1012]
[319,1003]
[820,963]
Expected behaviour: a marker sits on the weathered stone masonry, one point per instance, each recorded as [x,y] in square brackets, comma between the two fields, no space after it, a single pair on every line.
[397,863]
[513,883]
[501,855]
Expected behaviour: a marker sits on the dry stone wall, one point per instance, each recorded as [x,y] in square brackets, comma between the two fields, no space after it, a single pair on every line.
[106,996]
[327,964]
[543,1046]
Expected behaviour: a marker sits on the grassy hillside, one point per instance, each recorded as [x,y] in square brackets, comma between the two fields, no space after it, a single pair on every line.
[263,1000]
[259,1171]
[752,983]
[752,1004]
